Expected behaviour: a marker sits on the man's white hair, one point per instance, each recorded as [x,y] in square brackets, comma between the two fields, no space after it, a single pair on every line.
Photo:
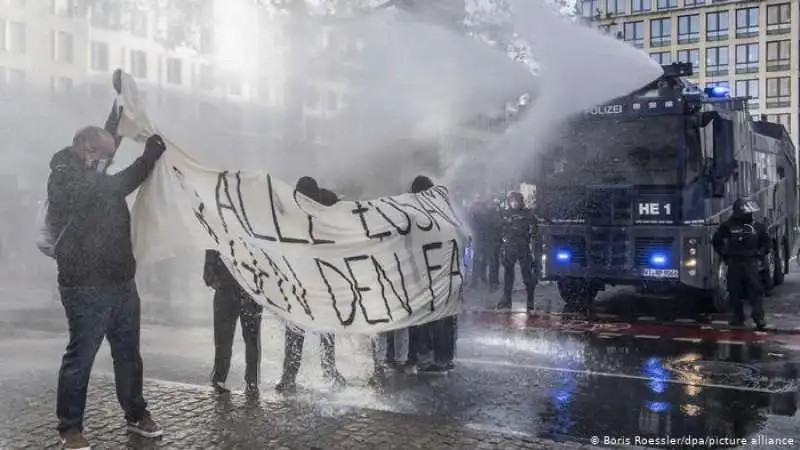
[90,137]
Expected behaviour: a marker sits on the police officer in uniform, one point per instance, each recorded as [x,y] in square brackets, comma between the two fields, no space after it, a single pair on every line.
[742,242]
[519,231]
[232,303]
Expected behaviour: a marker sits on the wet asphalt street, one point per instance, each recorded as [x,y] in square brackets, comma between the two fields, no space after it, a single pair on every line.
[637,367]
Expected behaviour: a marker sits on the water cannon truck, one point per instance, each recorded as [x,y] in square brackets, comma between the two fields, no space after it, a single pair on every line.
[635,188]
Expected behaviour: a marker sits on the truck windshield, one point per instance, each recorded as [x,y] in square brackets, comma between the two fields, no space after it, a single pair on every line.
[639,151]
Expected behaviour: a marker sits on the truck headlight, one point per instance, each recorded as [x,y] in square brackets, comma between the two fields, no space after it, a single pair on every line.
[690,263]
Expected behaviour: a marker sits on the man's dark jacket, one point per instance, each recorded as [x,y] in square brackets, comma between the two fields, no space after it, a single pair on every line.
[95,249]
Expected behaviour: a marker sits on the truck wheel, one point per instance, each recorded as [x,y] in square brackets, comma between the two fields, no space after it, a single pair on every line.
[720,299]
[777,273]
[577,293]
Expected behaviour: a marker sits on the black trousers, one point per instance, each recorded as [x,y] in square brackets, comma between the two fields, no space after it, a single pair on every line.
[94,314]
[526,266]
[493,261]
[744,282]
[230,304]
[293,354]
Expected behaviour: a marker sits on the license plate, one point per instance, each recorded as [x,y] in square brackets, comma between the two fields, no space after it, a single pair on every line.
[660,273]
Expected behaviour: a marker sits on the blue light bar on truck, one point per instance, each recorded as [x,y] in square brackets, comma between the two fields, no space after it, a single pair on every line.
[717,92]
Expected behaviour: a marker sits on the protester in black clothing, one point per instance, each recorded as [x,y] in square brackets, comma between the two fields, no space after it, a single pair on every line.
[741,242]
[493,242]
[519,233]
[295,337]
[434,341]
[96,271]
[231,302]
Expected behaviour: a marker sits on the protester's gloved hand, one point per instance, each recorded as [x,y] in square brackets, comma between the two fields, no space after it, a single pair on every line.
[154,147]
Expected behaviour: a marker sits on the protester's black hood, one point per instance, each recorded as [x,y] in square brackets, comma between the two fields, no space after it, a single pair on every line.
[65,157]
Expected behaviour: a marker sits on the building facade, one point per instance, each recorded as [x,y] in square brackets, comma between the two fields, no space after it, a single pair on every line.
[749,46]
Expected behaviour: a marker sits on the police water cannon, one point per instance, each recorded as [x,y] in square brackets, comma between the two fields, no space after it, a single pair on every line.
[634,186]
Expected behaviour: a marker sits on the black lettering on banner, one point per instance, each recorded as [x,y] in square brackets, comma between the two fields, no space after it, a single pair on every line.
[361,212]
[199,214]
[249,226]
[445,195]
[279,275]
[382,276]
[223,187]
[429,213]
[430,269]
[259,275]
[359,289]
[400,231]
[281,237]
[199,211]
[314,239]
[302,298]
[455,270]
[427,198]
[427,227]
[344,321]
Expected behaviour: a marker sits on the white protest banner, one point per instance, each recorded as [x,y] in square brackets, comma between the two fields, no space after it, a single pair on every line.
[358,267]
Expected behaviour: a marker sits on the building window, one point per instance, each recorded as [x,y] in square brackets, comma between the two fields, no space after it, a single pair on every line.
[779,18]
[660,32]
[689,29]
[746,22]
[717,26]
[235,88]
[591,8]
[615,7]
[716,61]
[747,58]
[634,34]
[105,16]
[690,56]
[138,64]
[783,119]
[662,58]
[666,4]
[99,56]
[688,3]
[59,85]
[63,44]
[778,55]
[174,71]
[749,89]
[779,92]
[206,77]
[265,90]
[139,23]
[63,8]
[640,6]
[17,38]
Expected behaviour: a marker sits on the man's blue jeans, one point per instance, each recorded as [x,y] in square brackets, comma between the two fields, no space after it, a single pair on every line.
[94,313]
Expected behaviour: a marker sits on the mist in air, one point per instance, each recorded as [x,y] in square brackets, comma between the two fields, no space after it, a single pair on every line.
[372,120]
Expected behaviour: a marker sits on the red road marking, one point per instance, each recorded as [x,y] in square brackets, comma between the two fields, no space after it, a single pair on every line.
[522,321]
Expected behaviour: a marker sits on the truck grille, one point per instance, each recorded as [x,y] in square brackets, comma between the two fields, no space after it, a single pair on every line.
[609,207]
[608,248]
[646,247]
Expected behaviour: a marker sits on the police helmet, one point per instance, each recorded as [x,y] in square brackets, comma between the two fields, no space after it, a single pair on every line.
[743,206]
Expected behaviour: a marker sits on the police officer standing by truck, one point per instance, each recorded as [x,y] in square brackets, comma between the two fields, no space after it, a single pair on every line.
[519,234]
[742,242]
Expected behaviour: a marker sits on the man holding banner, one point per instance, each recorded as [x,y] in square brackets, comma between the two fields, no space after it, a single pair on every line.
[96,270]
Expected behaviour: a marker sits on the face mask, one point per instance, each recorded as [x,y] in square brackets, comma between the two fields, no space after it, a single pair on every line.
[100,165]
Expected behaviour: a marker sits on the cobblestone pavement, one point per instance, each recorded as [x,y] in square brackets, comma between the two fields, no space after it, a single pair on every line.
[195,418]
